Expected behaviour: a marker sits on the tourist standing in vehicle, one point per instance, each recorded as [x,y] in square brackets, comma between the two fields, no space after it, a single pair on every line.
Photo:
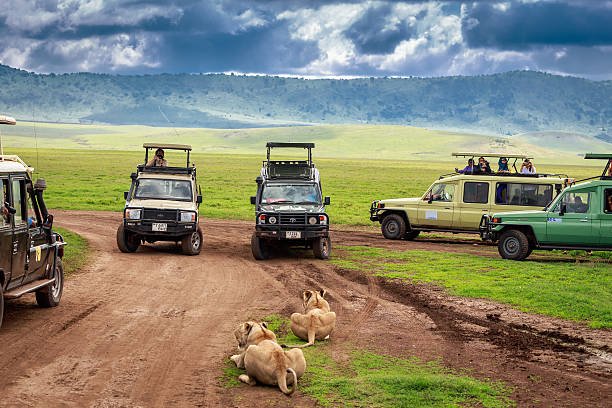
[503,165]
[528,167]
[484,166]
[158,160]
[469,169]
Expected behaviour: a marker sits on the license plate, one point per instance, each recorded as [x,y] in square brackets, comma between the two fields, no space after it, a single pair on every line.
[293,234]
[159,227]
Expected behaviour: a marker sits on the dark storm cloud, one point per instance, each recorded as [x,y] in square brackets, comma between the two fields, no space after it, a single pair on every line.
[524,25]
[374,33]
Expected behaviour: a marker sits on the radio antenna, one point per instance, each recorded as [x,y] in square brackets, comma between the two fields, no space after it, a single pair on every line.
[167,120]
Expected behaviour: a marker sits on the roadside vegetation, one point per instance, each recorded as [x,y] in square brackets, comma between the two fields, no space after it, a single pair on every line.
[75,253]
[367,379]
[580,291]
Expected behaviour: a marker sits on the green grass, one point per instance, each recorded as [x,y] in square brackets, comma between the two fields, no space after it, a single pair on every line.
[580,291]
[368,379]
[95,180]
[75,253]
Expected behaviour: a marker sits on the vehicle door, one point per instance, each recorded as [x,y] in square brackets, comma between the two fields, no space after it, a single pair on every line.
[473,205]
[574,225]
[605,219]
[39,248]
[437,207]
[21,235]
[6,230]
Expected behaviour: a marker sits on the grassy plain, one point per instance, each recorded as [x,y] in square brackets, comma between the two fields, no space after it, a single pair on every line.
[386,142]
[580,292]
[75,253]
[95,180]
[367,379]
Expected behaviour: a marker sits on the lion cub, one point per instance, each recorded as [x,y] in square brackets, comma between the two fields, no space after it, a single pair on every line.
[264,360]
[317,322]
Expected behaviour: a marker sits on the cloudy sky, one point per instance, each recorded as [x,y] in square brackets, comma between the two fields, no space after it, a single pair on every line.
[309,38]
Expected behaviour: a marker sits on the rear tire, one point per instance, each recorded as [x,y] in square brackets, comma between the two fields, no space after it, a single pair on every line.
[191,244]
[51,295]
[514,244]
[321,248]
[410,235]
[127,241]
[260,248]
[393,226]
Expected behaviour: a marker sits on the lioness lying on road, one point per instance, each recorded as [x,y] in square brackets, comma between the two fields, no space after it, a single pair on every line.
[264,360]
[318,321]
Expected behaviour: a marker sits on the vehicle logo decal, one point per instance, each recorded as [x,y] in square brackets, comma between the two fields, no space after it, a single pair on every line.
[554,220]
[38,253]
[431,215]
[292,220]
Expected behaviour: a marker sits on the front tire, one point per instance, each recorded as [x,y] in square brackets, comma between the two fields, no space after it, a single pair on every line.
[127,241]
[393,226]
[321,248]
[260,248]
[51,295]
[191,244]
[514,244]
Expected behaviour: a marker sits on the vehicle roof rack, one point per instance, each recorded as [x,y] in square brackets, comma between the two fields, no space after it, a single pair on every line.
[7,120]
[16,159]
[602,156]
[289,169]
[516,157]
[188,169]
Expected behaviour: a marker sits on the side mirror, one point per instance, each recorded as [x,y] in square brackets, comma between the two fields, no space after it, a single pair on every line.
[563,209]
[199,199]
[253,200]
[133,176]
[326,200]
[125,195]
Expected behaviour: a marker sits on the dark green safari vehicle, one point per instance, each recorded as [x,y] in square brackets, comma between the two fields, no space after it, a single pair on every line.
[579,218]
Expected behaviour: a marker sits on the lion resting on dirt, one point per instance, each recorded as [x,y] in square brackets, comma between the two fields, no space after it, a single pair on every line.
[264,360]
[318,321]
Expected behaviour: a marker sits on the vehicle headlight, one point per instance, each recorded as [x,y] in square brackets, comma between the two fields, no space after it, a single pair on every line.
[322,219]
[188,216]
[133,213]
[312,220]
[272,220]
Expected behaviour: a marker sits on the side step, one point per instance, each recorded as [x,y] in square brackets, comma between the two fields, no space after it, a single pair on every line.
[30,287]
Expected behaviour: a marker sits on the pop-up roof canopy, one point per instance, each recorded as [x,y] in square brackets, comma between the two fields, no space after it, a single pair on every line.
[166,146]
[7,120]
[602,156]
[508,156]
[289,168]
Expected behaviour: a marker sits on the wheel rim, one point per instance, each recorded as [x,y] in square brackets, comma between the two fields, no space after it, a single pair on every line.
[56,287]
[392,227]
[195,241]
[511,246]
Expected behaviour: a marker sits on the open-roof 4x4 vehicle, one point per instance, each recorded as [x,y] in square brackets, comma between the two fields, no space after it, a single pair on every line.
[30,252]
[162,205]
[456,202]
[579,218]
[289,206]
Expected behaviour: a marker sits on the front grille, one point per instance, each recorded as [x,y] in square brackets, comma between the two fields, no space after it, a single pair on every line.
[160,215]
[292,219]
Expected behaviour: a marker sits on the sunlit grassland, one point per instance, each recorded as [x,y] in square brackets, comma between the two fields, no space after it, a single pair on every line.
[75,253]
[362,141]
[580,291]
[95,180]
[367,379]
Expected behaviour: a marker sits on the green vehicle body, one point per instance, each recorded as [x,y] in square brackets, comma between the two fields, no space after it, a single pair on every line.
[580,217]
[459,209]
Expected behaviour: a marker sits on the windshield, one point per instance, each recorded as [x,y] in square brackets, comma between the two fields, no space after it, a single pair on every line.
[291,194]
[160,189]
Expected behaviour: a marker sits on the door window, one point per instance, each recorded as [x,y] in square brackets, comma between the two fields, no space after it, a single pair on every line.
[5,217]
[18,191]
[538,195]
[441,192]
[608,201]
[476,192]
[575,203]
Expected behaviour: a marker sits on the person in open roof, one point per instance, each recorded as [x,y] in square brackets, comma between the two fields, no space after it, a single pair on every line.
[471,168]
[527,167]
[484,166]
[503,165]
[158,160]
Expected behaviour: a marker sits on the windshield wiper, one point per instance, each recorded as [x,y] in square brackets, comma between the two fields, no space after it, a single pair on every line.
[307,202]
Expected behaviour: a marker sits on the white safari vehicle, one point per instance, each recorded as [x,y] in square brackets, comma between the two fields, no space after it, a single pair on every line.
[162,203]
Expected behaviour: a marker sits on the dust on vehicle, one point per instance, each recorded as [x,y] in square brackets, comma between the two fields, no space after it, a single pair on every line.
[162,203]
[289,205]
[456,202]
[30,252]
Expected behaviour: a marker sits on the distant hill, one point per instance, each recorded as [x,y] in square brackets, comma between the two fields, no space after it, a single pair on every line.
[508,103]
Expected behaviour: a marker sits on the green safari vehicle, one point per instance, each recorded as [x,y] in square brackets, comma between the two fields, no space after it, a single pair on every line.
[579,218]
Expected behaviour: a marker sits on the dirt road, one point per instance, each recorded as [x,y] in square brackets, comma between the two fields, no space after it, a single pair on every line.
[153,328]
